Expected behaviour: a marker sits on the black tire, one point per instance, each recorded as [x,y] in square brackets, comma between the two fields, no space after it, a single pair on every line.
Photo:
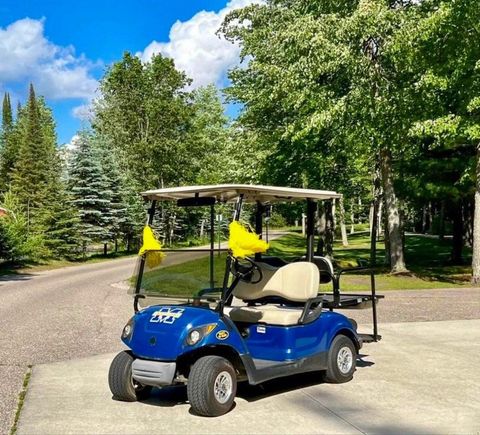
[342,360]
[201,386]
[122,385]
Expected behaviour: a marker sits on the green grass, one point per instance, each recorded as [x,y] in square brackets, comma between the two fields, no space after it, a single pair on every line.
[427,259]
[184,279]
[21,399]
[49,264]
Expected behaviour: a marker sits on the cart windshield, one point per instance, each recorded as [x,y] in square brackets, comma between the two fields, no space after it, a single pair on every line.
[191,258]
[182,275]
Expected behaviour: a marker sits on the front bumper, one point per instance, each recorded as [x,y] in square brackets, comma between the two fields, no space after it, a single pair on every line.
[154,373]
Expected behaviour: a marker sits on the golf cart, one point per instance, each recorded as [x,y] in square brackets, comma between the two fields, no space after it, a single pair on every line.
[247,317]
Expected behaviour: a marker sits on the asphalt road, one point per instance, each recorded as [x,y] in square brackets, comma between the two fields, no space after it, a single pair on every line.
[79,311]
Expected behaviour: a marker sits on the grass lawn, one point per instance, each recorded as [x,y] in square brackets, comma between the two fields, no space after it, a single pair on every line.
[15,269]
[184,279]
[427,259]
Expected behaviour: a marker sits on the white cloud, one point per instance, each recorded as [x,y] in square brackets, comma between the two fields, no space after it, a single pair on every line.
[73,144]
[197,49]
[83,112]
[57,73]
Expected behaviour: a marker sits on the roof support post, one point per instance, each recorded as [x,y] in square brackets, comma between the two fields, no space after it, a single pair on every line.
[373,264]
[212,243]
[259,225]
[225,296]
[141,268]
[311,208]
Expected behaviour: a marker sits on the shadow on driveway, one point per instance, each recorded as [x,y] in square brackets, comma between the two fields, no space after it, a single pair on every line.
[171,396]
[12,277]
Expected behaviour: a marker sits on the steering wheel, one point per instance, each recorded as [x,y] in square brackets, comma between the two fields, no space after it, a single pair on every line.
[245,269]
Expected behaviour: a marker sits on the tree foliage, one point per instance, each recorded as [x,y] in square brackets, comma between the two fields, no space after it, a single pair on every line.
[144,112]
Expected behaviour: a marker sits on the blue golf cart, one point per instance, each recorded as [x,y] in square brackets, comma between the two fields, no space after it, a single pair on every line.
[217,319]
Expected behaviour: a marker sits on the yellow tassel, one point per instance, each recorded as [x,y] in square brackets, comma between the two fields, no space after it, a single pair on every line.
[151,248]
[243,242]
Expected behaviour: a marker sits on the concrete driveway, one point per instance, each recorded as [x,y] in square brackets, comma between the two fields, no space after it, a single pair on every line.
[423,377]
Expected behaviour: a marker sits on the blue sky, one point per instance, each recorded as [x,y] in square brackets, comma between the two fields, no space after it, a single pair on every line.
[64,46]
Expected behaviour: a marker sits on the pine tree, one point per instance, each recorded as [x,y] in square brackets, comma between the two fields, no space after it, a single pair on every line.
[36,164]
[90,193]
[62,235]
[135,213]
[7,118]
[116,212]
[6,158]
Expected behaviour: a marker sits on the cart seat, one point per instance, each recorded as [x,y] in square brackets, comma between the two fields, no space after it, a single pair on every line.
[269,314]
[295,282]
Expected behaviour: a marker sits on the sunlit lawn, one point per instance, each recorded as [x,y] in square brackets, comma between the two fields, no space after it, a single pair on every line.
[185,279]
[427,259]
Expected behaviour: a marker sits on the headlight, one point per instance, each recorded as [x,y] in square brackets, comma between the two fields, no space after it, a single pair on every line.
[196,334]
[128,330]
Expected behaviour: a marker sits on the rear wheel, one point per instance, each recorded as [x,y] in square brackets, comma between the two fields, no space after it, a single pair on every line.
[342,360]
[212,385]
[122,385]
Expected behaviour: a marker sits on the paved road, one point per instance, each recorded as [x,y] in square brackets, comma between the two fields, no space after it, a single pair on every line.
[76,312]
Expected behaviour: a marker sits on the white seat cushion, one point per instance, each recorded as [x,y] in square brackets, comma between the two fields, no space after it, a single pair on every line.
[269,314]
[296,282]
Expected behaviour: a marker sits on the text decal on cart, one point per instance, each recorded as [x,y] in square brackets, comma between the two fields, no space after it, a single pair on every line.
[167,315]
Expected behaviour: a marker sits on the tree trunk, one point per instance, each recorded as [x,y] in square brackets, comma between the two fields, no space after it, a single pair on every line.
[352,218]
[321,226]
[457,243]
[105,249]
[334,218]
[441,227]
[429,218]
[373,238]
[343,228]
[386,237]
[476,226]
[423,230]
[370,217]
[379,220]
[397,259]
[116,245]
[468,212]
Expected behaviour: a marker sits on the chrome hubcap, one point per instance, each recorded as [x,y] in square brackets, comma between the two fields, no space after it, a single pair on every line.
[223,387]
[345,360]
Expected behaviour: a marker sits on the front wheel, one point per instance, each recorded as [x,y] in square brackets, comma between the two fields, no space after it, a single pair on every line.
[122,385]
[342,360]
[212,385]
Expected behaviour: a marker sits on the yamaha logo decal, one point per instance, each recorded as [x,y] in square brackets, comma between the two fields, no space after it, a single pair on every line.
[222,335]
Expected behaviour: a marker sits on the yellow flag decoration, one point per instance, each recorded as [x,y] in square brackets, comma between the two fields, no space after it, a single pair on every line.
[151,248]
[243,242]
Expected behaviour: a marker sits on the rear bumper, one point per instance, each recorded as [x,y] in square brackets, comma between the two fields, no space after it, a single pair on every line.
[154,373]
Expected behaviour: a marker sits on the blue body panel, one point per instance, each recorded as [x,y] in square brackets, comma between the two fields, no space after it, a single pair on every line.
[160,333]
[163,337]
[287,343]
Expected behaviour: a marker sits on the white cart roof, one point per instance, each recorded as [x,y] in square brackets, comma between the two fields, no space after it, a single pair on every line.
[229,192]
